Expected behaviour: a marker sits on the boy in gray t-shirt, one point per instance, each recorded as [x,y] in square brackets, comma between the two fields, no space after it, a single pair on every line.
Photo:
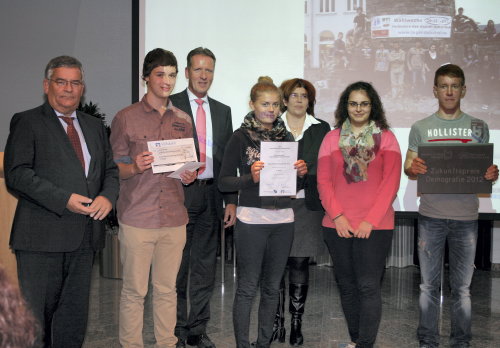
[463,129]
[442,217]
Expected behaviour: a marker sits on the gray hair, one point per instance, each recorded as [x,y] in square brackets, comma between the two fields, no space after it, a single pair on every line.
[60,62]
[199,50]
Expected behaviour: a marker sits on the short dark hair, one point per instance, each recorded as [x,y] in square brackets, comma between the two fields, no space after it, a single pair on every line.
[377,113]
[62,62]
[288,86]
[158,57]
[450,70]
[199,50]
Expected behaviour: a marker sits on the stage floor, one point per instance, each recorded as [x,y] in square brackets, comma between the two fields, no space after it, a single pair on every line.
[323,322]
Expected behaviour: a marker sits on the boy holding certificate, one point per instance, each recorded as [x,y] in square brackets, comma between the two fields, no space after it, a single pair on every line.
[150,207]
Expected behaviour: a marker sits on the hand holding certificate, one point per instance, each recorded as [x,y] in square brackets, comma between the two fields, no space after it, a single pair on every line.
[188,166]
[173,155]
[278,177]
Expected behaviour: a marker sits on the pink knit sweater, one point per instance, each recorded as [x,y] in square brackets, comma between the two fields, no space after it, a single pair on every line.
[369,200]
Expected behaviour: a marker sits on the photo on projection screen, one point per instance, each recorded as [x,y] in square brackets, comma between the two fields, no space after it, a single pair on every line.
[397,46]
[329,43]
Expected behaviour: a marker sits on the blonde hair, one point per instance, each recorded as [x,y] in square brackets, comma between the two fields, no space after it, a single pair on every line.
[264,84]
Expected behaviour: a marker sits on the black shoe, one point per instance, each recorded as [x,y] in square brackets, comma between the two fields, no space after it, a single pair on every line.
[296,337]
[201,341]
[298,295]
[180,343]
[279,331]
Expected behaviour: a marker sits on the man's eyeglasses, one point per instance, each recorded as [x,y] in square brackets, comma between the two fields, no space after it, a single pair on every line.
[363,104]
[64,83]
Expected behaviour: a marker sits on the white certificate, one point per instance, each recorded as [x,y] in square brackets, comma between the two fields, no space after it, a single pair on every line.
[191,166]
[278,177]
[170,155]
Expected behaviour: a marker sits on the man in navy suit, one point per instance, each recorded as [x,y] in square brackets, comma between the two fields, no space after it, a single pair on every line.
[59,162]
[203,200]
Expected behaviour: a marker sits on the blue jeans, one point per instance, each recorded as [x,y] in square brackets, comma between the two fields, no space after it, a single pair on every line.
[261,254]
[462,239]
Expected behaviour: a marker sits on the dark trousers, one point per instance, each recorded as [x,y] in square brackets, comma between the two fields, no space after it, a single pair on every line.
[298,270]
[359,266]
[261,255]
[56,286]
[198,262]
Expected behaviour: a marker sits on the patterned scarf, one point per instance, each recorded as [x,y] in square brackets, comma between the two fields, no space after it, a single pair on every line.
[358,150]
[258,133]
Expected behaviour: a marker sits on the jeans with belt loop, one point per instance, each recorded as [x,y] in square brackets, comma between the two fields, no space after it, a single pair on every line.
[462,240]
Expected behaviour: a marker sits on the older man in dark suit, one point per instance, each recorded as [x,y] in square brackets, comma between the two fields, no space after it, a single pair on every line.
[213,128]
[59,162]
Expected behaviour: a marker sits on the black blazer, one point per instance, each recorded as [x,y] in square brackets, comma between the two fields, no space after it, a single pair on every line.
[308,151]
[42,168]
[222,129]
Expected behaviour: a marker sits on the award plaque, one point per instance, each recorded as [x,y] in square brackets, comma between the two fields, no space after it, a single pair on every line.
[455,168]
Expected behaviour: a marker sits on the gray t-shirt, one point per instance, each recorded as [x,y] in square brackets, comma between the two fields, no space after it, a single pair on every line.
[465,129]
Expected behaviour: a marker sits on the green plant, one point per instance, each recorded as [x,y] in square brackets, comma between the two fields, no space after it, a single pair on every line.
[93,110]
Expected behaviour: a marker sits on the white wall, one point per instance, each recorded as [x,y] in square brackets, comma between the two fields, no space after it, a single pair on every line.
[248,40]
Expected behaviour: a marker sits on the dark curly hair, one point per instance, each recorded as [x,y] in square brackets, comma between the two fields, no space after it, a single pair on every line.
[18,327]
[377,113]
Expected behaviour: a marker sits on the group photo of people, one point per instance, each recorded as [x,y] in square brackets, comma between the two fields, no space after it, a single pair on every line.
[403,66]
[348,178]
[331,194]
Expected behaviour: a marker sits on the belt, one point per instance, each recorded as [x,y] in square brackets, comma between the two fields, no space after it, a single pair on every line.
[204,182]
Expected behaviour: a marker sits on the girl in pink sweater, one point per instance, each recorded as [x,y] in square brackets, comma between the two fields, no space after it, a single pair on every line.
[359,168]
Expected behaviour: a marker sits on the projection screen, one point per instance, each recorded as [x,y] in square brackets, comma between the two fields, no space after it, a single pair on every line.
[285,39]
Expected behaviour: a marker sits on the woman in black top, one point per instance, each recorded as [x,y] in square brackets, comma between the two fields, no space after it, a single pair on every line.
[264,227]
[299,97]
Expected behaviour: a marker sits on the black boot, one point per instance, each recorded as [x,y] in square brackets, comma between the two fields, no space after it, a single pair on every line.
[298,295]
[279,331]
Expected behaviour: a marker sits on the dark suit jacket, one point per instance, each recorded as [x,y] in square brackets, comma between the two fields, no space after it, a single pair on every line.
[308,151]
[222,129]
[42,168]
